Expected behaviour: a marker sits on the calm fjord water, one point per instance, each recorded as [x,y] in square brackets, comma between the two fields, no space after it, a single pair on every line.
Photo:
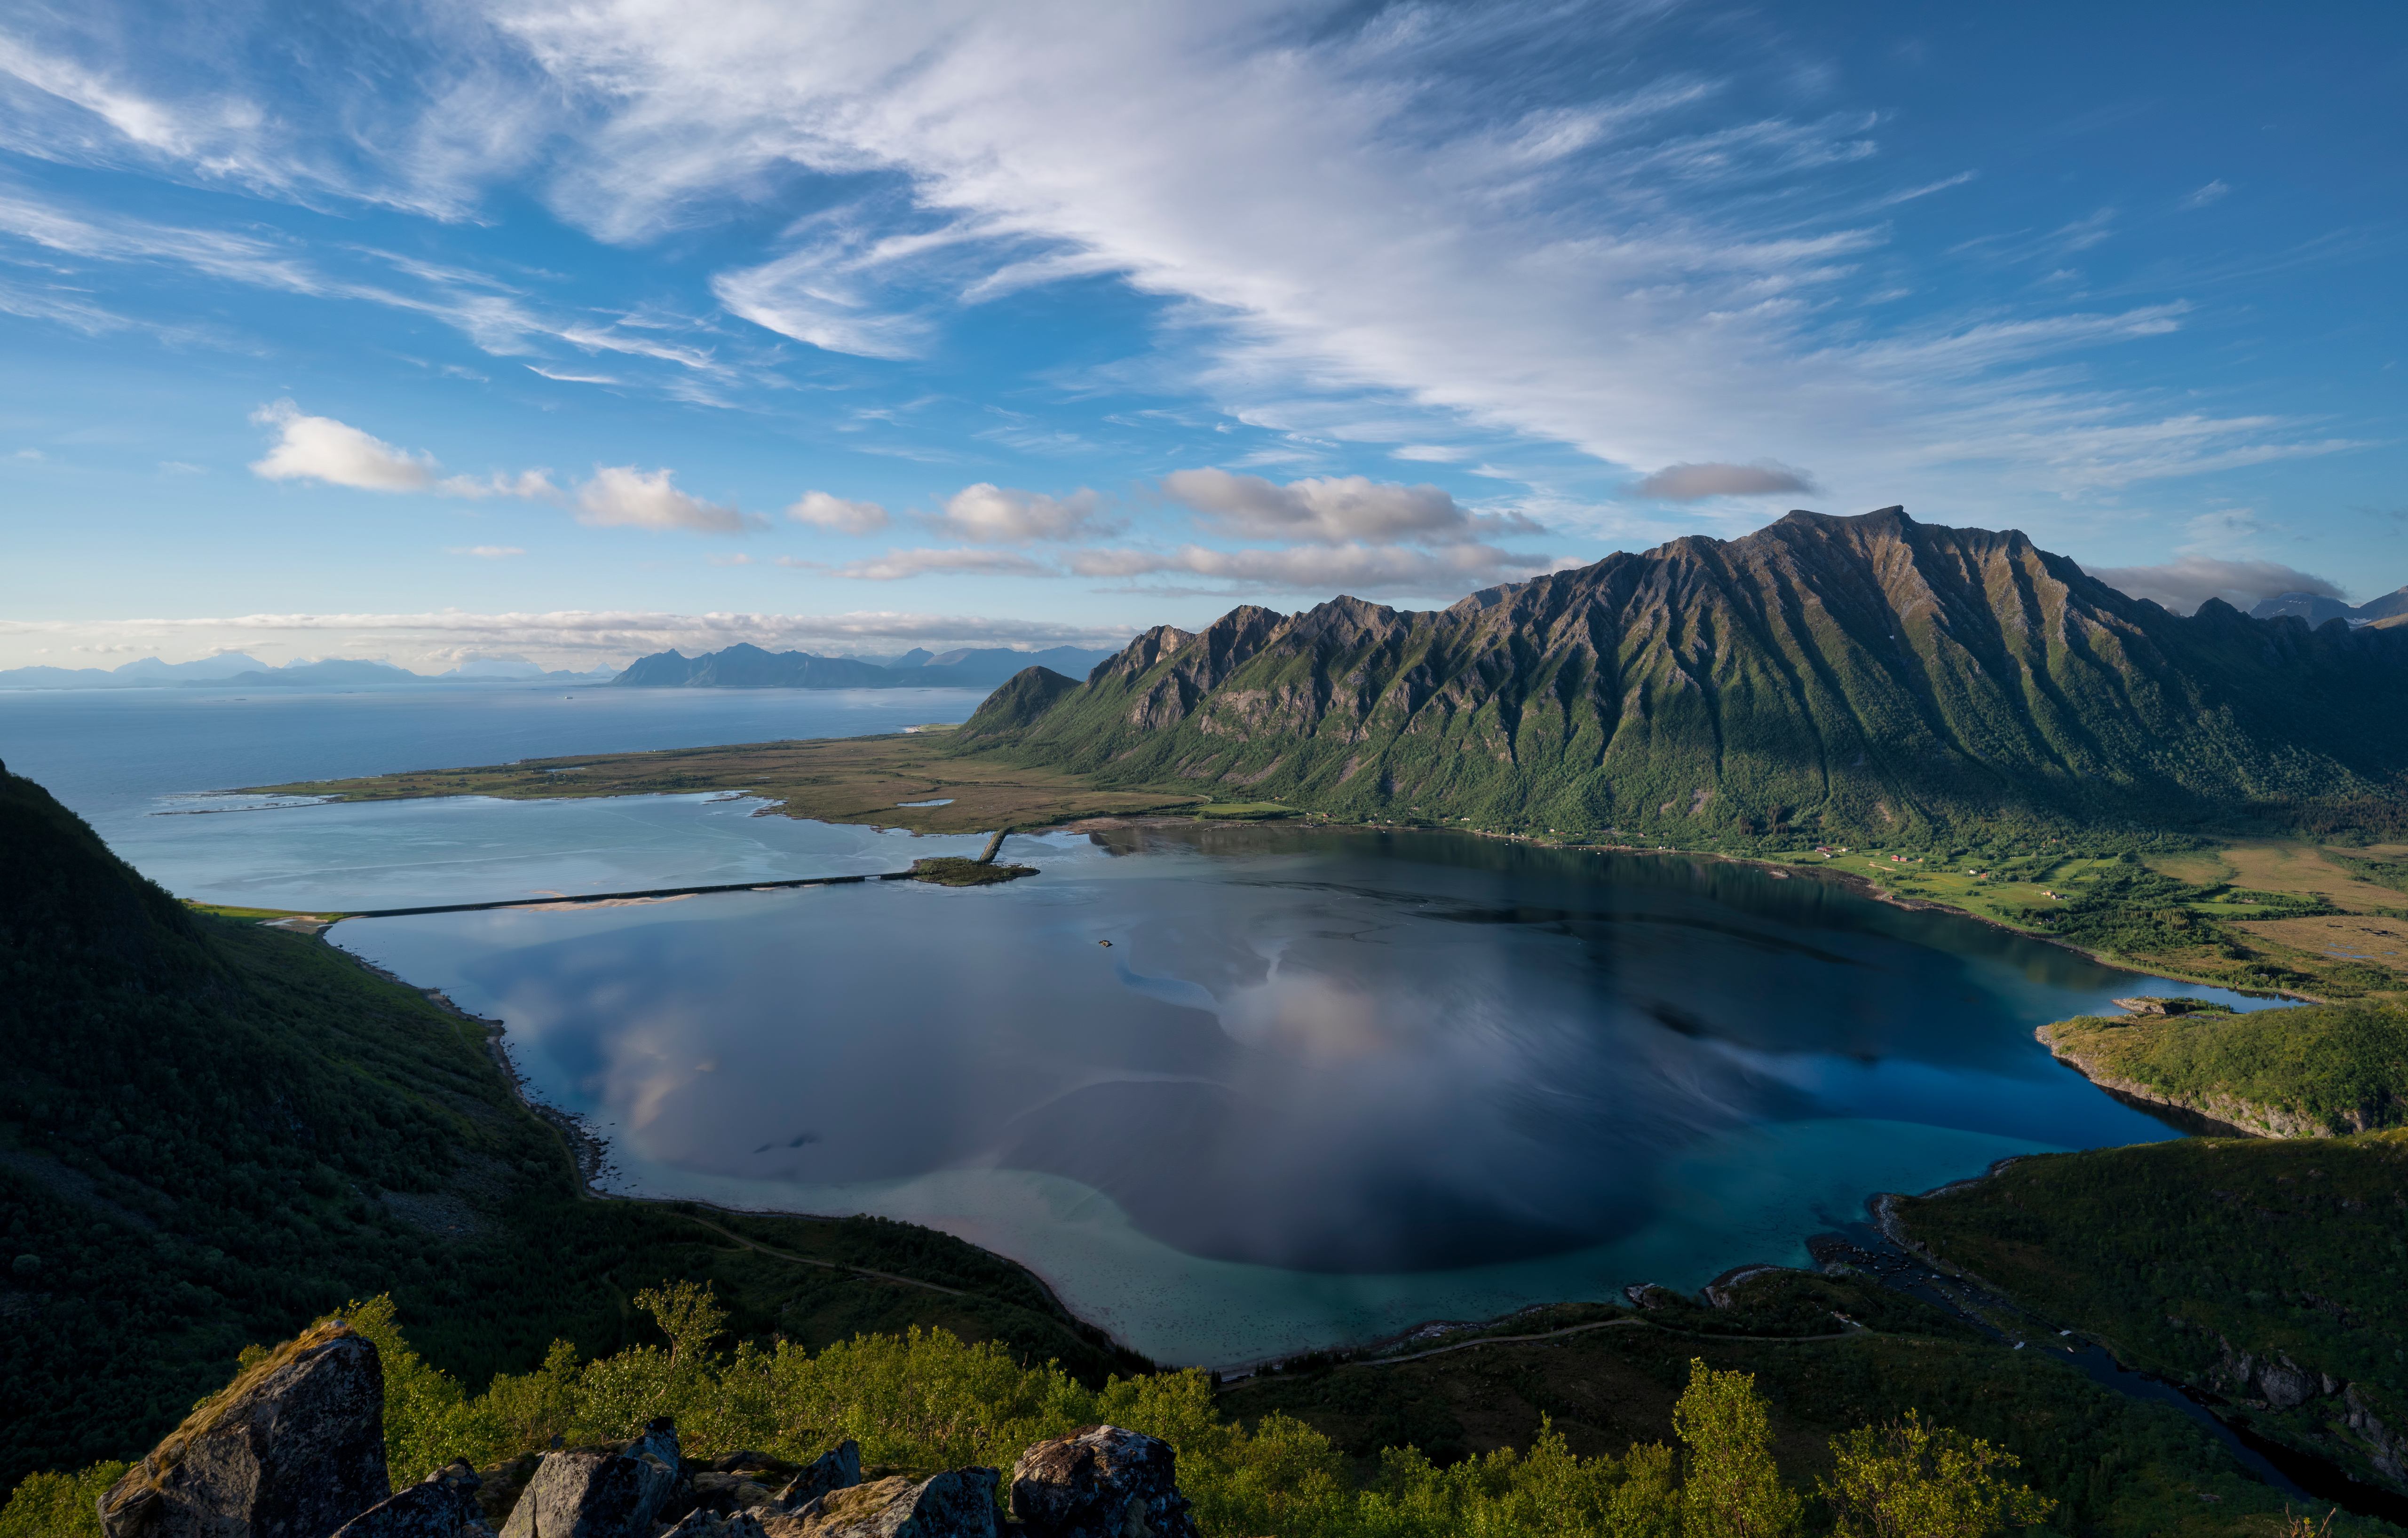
[1320,1086]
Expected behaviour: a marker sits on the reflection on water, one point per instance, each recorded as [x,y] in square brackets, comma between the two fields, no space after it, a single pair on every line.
[1440,1074]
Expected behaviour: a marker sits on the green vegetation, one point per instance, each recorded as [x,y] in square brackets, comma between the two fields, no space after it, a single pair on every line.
[1908,1477]
[2383,873]
[953,871]
[924,1401]
[1822,679]
[869,780]
[2322,1068]
[211,1132]
[2115,1467]
[2185,1257]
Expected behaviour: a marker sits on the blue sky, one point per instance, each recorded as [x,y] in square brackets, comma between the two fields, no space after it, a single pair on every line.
[568,333]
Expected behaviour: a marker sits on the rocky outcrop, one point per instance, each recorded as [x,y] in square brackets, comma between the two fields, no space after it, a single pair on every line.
[836,1470]
[2387,1446]
[1100,1482]
[442,1506]
[708,1524]
[613,1491]
[957,1504]
[293,1448]
[724,1494]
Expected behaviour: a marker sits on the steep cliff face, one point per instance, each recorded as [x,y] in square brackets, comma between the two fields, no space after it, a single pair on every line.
[1850,673]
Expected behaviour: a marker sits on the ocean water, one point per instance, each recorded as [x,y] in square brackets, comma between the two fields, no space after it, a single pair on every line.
[1233,1092]
[142,766]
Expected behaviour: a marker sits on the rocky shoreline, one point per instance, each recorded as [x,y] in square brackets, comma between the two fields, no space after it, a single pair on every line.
[2221,1114]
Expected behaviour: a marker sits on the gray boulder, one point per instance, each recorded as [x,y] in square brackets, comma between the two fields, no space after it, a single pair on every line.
[293,1448]
[958,1504]
[1100,1482]
[613,1491]
[724,1494]
[837,1470]
[711,1524]
[444,1505]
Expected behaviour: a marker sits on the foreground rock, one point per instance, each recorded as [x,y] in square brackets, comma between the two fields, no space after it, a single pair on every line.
[293,1448]
[613,1491]
[957,1504]
[837,1470]
[1100,1482]
[444,1505]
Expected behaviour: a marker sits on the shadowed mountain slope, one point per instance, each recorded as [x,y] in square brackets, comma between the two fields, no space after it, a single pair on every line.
[1824,673]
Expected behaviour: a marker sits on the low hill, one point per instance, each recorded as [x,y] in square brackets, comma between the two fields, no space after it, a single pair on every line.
[1821,677]
[2264,1273]
[211,1132]
[2311,1071]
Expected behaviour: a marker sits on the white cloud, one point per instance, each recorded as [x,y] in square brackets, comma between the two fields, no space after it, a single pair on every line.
[899,565]
[988,514]
[562,637]
[1332,510]
[488,552]
[28,455]
[1448,569]
[1431,453]
[622,496]
[1352,202]
[838,516]
[2213,192]
[2183,585]
[1696,482]
[528,485]
[321,449]
[1345,199]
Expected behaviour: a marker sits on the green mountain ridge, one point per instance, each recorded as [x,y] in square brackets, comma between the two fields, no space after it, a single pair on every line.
[1823,676]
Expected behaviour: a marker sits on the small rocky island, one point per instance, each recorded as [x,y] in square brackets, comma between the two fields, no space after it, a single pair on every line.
[953,871]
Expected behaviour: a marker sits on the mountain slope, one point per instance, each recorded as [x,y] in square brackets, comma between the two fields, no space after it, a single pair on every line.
[1824,673]
[212,1131]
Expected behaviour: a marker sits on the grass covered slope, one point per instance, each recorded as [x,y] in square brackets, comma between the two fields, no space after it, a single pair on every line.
[211,1132]
[2279,1073]
[1823,675]
[2267,1271]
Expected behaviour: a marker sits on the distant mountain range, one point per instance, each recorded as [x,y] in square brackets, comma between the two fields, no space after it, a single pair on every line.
[2316,610]
[747,666]
[235,670]
[1840,676]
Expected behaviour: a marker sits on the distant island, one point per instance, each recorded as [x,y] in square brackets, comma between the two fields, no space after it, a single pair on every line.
[740,666]
[747,666]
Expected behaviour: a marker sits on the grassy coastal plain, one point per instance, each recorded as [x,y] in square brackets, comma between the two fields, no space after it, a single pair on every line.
[870,780]
[2268,915]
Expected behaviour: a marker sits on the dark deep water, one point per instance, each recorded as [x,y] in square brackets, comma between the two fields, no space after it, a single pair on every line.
[1321,1083]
